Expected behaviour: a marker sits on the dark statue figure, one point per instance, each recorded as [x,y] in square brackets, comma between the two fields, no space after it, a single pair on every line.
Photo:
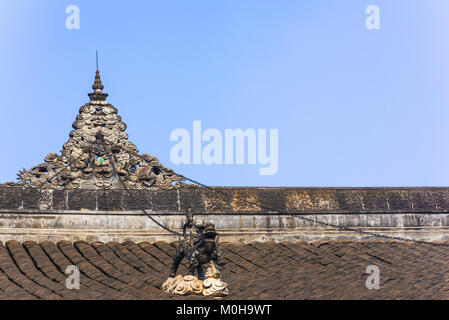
[199,246]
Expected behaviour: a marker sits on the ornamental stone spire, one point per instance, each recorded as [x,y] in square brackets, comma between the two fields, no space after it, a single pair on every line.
[98,154]
[98,94]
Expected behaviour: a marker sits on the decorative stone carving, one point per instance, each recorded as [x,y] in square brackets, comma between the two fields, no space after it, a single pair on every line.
[98,154]
[212,286]
[187,285]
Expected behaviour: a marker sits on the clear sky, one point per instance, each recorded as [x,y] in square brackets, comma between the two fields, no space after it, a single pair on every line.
[353,107]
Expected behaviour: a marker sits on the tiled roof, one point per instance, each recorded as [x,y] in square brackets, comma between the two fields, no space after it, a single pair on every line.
[325,270]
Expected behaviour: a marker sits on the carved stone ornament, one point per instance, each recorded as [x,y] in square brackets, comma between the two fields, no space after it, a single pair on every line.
[98,154]
[211,286]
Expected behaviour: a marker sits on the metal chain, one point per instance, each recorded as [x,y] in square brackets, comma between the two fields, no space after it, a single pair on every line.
[132,197]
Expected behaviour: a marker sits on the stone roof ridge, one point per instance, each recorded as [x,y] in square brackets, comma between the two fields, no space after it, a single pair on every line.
[84,163]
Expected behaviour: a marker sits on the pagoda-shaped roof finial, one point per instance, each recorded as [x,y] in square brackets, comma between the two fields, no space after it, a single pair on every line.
[98,155]
[98,94]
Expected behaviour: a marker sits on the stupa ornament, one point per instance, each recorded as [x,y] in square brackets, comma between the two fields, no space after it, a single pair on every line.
[98,154]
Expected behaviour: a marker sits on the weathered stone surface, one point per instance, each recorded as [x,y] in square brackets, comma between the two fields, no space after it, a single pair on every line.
[165,200]
[350,200]
[441,198]
[31,198]
[192,198]
[82,199]
[218,200]
[10,197]
[234,199]
[324,200]
[109,200]
[37,199]
[422,199]
[245,200]
[60,201]
[375,200]
[398,199]
[136,200]
[272,200]
[298,200]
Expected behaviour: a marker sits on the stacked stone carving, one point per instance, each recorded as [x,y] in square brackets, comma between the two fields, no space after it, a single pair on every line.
[211,286]
[98,154]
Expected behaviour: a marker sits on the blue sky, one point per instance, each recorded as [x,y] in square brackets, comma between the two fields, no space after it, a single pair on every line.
[353,107]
